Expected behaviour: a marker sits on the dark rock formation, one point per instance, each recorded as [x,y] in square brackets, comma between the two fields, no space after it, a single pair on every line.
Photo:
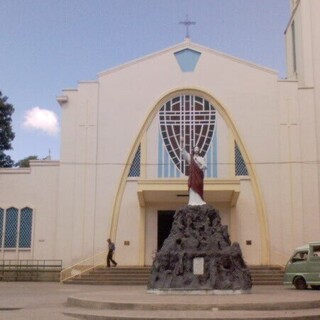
[197,232]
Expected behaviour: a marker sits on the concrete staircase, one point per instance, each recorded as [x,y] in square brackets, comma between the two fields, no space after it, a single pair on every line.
[261,275]
[267,275]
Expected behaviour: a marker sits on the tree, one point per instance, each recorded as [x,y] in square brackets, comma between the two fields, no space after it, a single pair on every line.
[25,163]
[6,133]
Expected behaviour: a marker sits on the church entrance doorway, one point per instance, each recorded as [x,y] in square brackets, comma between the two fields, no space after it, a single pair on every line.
[165,220]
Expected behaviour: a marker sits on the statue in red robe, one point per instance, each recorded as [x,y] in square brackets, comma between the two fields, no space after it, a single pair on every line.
[196,177]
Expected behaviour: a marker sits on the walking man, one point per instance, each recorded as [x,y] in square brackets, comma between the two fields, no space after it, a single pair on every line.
[111,248]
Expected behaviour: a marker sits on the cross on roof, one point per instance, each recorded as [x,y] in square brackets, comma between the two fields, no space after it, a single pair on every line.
[187,23]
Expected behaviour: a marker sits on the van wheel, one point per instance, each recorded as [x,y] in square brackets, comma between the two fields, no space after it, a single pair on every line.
[315,287]
[300,283]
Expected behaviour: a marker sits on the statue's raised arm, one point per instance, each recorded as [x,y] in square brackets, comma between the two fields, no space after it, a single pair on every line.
[196,176]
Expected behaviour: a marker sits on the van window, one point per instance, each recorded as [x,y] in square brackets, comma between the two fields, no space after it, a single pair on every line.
[316,251]
[300,256]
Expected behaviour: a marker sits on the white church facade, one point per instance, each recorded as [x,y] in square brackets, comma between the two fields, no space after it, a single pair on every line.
[121,173]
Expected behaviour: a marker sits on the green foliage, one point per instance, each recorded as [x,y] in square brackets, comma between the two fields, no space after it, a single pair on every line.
[5,160]
[6,133]
[25,163]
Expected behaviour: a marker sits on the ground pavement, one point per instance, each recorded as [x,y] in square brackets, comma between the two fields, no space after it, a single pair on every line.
[37,300]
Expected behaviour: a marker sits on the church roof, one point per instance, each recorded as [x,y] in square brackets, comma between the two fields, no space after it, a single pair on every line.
[188,44]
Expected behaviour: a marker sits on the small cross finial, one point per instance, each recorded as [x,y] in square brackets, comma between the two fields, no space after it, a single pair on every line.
[187,23]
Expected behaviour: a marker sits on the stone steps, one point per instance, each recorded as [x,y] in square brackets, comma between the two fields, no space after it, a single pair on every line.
[194,315]
[261,275]
[132,303]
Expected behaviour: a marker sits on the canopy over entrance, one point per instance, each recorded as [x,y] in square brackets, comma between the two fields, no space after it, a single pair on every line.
[176,191]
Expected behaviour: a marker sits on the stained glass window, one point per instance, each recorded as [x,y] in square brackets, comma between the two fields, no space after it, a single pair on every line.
[185,120]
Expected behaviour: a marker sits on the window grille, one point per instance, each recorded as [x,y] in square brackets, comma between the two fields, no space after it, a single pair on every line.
[166,167]
[136,164]
[15,228]
[11,228]
[1,226]
[25,228]
[240,165]
[184,120]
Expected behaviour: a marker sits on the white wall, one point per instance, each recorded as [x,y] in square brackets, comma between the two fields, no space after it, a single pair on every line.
[277,123]
[126,96]
[35,187]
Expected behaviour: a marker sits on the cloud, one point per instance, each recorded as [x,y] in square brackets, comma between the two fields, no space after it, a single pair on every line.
[41,119]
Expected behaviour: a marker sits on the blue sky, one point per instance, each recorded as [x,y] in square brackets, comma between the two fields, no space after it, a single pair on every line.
[50,45]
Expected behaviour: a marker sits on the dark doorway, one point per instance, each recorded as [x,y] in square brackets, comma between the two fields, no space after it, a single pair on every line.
[165,219]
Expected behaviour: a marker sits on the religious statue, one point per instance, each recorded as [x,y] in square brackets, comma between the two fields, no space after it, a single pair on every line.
[196,175]
[197,235]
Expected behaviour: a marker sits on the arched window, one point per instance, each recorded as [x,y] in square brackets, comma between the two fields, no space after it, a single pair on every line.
[1,225]
[187,120]
[240,165]
[15,228]
[135,166]
[11,228]
[25,228]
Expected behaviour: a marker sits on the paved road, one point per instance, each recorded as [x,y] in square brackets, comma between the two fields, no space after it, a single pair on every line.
[38,300]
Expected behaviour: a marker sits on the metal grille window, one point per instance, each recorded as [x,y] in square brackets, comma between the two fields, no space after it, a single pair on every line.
[185,120]
[136,163]
[11,228]
[1,225]
[25,228]
[240,165]
[15,228]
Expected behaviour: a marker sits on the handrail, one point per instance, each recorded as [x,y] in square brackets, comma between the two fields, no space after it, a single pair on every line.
[281,257]
[83,266]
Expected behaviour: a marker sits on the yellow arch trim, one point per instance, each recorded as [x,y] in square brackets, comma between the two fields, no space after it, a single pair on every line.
[264,230]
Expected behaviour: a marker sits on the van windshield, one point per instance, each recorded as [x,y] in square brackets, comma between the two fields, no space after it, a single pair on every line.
[299,256]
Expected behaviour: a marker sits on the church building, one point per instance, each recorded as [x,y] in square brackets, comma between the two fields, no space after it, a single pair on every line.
[121,174]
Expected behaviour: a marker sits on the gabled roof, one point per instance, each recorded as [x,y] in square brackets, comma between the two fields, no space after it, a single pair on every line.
[187,44]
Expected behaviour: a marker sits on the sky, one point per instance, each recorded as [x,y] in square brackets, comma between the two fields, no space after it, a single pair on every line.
[50,45]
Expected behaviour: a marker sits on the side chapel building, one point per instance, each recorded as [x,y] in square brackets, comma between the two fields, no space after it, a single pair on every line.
[121,174]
